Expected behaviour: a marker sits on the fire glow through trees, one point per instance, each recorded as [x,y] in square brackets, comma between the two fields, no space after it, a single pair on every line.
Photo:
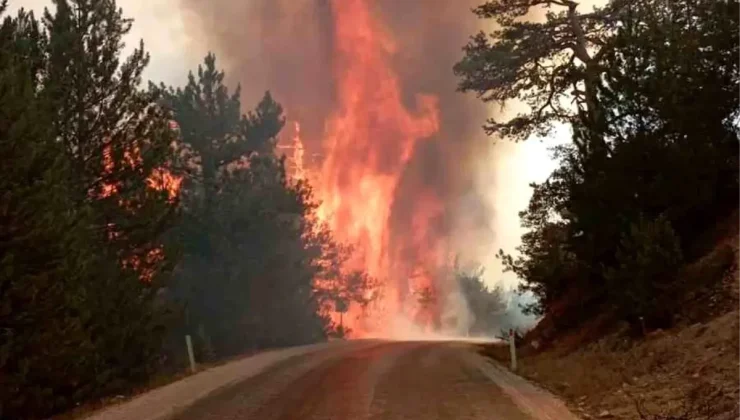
[368,87]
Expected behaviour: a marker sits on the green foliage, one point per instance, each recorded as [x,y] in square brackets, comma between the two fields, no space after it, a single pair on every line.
[552,66]
[113,133]
[253,246]
[644,284]
[214,132]
[76,319]
[487,306]
[87,232]
[657,87]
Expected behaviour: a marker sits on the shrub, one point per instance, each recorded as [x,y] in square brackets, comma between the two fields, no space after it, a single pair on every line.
[645,283]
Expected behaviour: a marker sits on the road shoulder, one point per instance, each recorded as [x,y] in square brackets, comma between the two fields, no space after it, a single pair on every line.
[531,399]
[165,402]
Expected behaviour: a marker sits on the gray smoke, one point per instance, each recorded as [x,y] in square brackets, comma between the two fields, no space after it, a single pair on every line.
[286,46]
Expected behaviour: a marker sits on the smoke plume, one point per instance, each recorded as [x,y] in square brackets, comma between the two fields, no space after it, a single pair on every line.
[395,150]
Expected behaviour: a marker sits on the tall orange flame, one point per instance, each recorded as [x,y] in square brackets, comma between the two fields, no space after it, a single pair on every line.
[368,141]
[296,166]
[347,71]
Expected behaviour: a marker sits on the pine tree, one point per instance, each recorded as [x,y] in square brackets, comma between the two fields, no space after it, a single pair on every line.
[213,129]
[217,146]
[38,251]
[116,135]
[82,222]
[552,66]
[253,245]
[606,232]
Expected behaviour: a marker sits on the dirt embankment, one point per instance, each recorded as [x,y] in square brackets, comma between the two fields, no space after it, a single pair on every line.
[686,374]
[690,371]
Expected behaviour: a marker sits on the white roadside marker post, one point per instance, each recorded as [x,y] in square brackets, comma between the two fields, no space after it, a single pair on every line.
[191,356]
[512,348]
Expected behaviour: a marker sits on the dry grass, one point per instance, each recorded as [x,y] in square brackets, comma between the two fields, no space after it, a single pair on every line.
[703,401]
[690,372]
[650,379]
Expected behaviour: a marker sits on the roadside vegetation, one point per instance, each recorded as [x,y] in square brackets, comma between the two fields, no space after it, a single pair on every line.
[624,237]
[133,215]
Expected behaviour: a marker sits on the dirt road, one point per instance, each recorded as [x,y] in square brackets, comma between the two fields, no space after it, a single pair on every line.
[381,381]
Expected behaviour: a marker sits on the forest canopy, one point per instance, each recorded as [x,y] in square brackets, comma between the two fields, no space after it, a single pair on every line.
[134,215]
[649,90]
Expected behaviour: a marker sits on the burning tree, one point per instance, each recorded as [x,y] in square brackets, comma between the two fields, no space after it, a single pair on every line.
[77,320]
[255,251]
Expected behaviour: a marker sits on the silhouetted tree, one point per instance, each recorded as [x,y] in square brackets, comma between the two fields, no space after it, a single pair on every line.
[254,247]
[487,306]
[82,223]
[657,88]
[553,66]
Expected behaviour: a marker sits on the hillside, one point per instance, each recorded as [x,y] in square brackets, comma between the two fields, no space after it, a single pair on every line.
[689,371]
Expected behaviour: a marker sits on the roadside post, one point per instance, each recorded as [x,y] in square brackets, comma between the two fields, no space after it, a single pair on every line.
[191,356]
[512,348]
[341,306]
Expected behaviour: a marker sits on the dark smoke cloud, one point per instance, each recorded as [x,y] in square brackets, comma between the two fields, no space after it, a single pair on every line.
[286,46]
[430,35]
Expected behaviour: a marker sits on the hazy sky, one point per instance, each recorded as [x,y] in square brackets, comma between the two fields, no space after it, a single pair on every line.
[162,26]
[174,45]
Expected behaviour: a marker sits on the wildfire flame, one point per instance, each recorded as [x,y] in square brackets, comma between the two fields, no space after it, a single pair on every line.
[161,179]
[297,170]
[370,152]
[368,141]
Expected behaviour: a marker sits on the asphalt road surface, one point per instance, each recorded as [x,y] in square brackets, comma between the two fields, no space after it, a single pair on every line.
[376,380]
